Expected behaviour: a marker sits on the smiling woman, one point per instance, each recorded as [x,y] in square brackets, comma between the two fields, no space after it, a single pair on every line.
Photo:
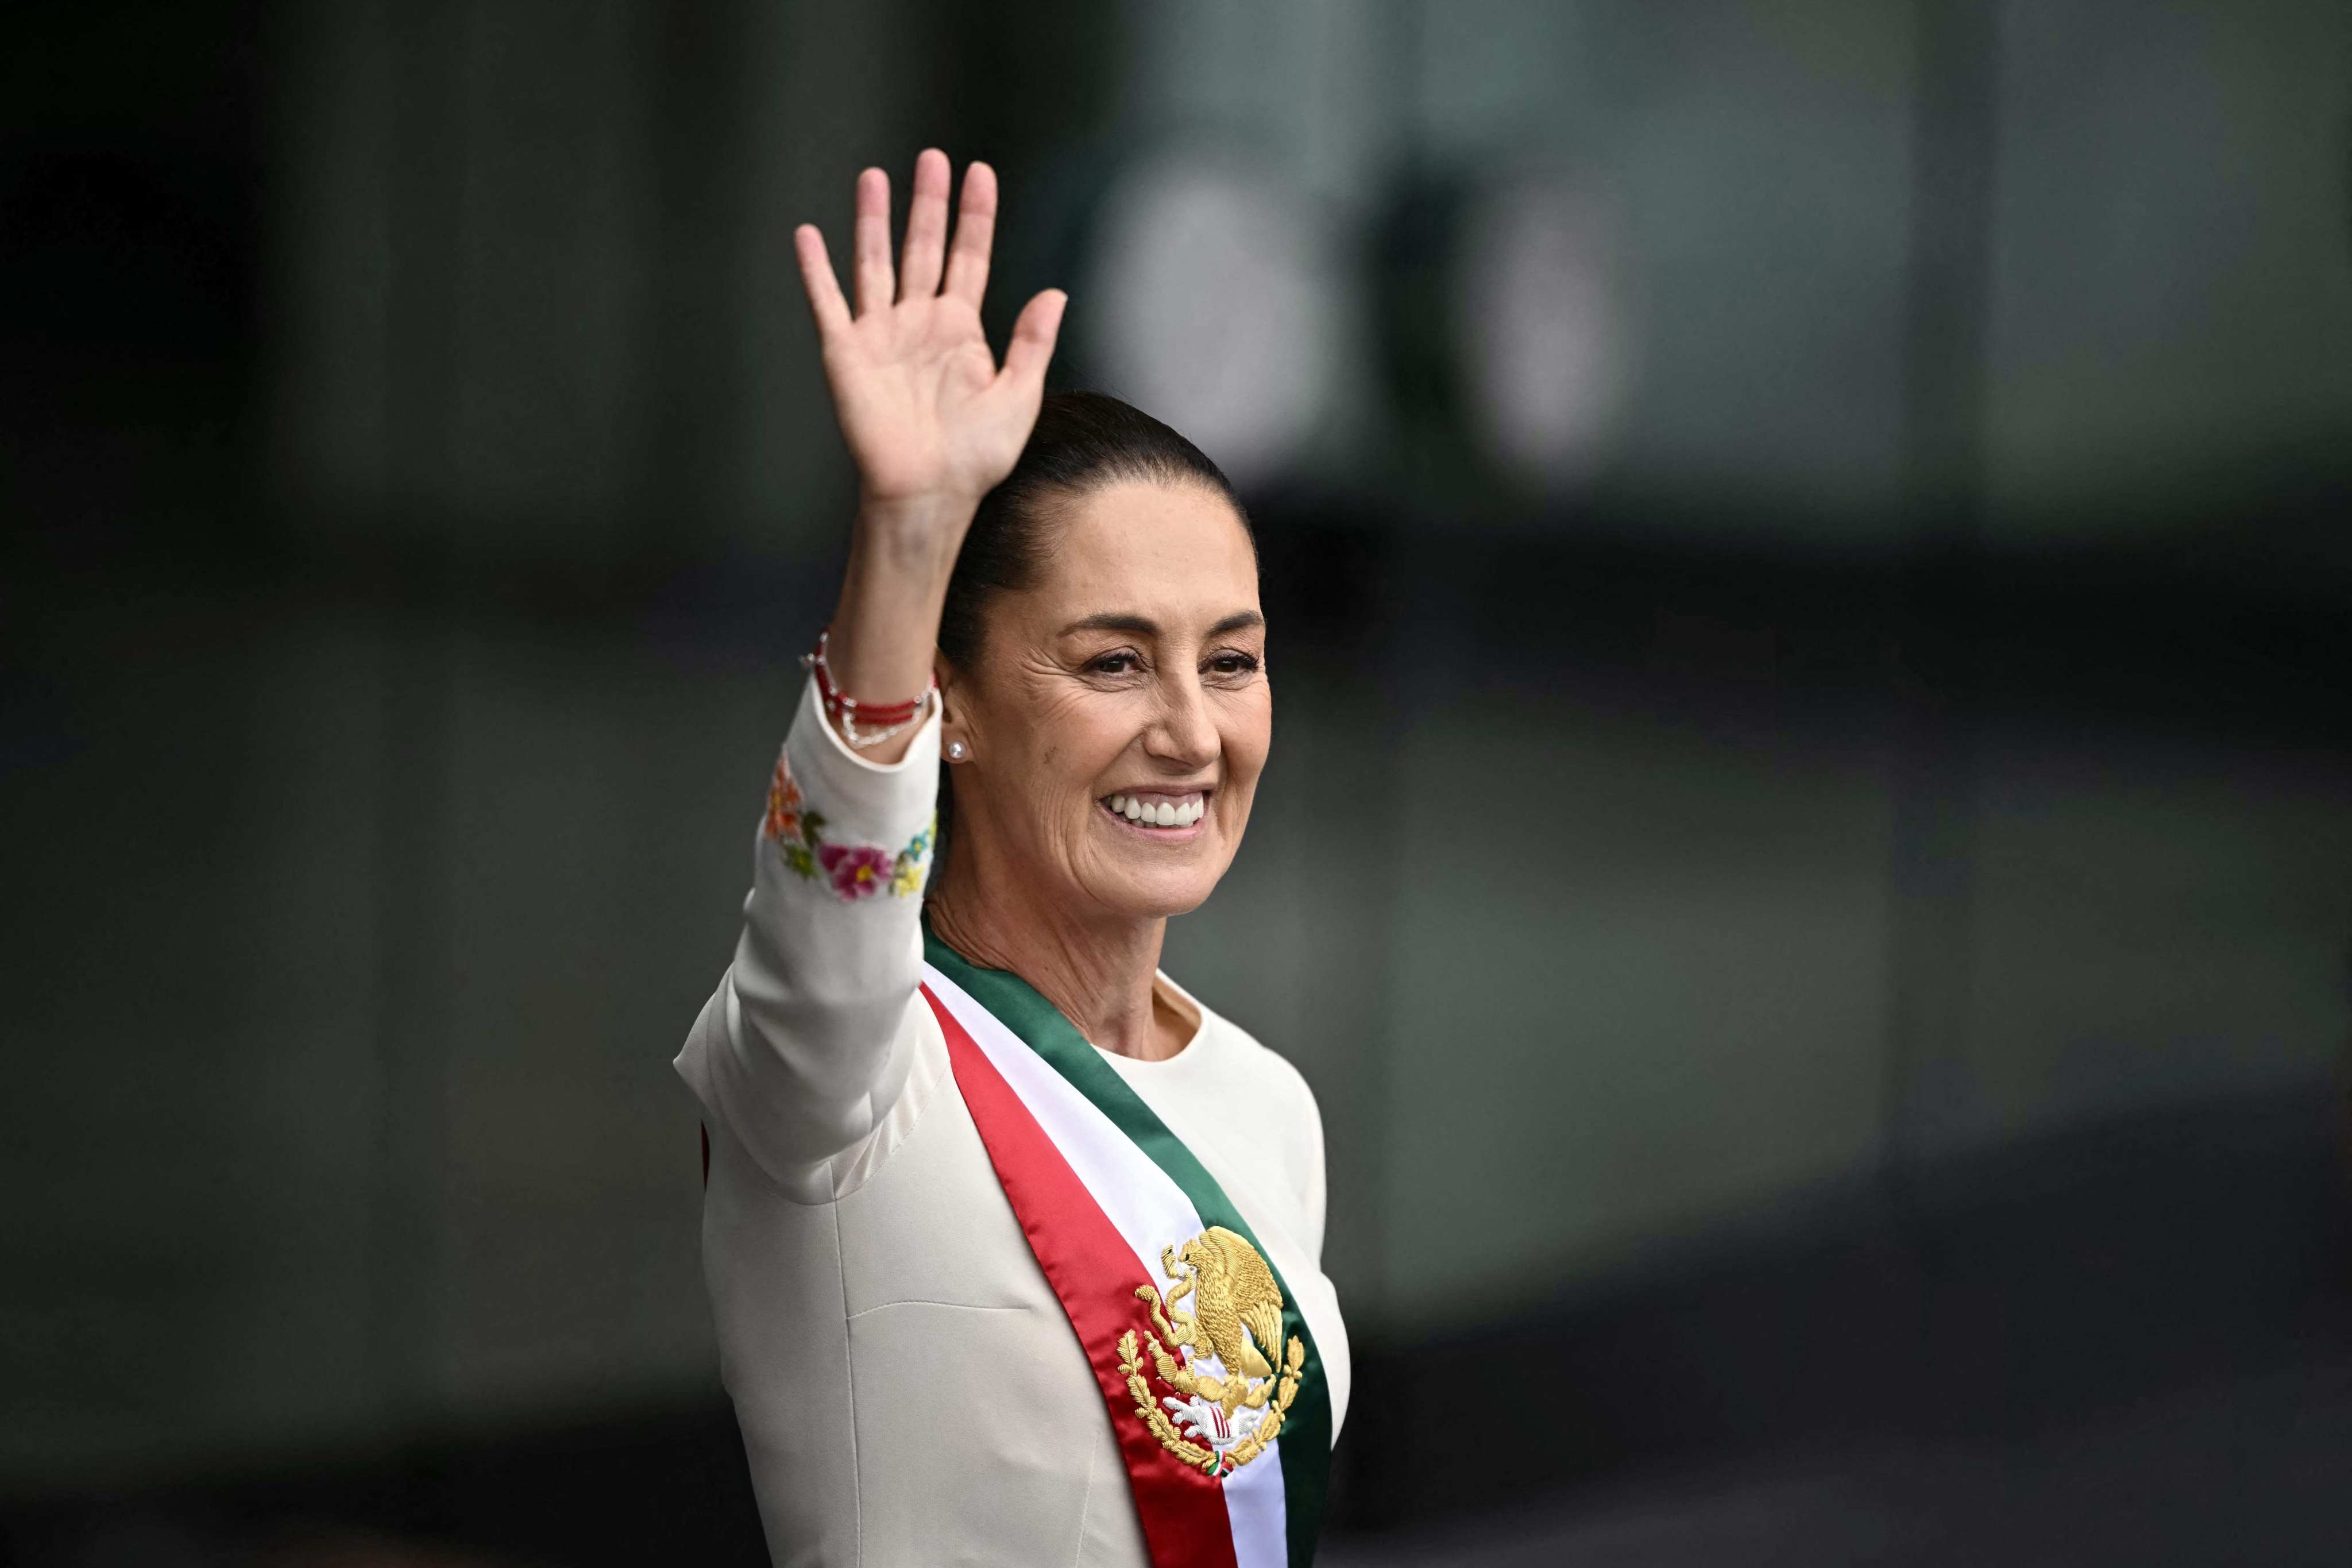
[1113,554]
[1014,1245]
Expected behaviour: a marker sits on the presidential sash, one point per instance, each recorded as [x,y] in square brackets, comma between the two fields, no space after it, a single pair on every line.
[1216,1393]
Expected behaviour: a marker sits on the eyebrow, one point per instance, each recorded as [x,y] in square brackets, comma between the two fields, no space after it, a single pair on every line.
[1145,626]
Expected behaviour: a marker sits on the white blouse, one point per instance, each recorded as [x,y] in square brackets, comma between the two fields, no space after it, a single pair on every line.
[908,1387]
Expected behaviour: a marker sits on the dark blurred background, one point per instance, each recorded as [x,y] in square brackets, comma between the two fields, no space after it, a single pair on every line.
[1808,859]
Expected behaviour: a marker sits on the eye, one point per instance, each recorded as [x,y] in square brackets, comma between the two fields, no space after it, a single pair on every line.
[1122,662]
[1233,664]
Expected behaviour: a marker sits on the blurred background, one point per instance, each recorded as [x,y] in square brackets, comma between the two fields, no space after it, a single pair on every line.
[1809,853]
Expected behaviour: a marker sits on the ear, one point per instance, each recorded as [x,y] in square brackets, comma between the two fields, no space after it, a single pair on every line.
[952,728]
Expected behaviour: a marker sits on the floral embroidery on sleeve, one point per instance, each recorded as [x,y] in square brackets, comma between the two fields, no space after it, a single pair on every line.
[853,871]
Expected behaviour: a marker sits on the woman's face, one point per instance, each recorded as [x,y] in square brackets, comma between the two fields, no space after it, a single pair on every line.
[1120,715]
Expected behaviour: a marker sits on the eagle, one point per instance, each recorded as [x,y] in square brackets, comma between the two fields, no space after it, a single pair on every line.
[1232,1289]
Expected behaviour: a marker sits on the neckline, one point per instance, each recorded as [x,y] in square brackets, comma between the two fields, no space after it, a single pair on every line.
[1184,1002]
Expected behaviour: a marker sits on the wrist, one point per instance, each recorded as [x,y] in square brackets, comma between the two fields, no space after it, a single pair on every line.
[863,724]
[916,532]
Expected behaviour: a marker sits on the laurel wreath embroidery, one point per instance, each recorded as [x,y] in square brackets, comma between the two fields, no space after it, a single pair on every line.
[1237,1307]
[1200,1456]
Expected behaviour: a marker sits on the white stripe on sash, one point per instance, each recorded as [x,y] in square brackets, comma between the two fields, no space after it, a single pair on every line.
[1142,1201]
[1147,1207]
[1253,1503]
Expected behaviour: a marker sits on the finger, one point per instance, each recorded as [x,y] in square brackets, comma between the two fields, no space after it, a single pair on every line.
[926,227]
[1033,335]
[823,289]
[976,232]
[872,241]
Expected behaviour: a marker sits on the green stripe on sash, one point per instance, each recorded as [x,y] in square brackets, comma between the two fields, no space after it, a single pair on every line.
[1305,1447]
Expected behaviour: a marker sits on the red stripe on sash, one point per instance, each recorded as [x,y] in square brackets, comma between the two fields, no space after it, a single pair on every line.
[1092,1270]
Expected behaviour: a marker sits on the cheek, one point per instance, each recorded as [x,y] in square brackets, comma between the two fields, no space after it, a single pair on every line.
[1068,740]
[1078,742]
[1246,741]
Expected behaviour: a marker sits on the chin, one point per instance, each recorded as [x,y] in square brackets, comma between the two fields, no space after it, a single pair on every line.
[1156,894]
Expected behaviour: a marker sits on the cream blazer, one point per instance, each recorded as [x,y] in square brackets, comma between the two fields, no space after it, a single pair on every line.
[908,1387]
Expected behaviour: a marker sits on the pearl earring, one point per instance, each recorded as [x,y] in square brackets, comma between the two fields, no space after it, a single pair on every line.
[955,749]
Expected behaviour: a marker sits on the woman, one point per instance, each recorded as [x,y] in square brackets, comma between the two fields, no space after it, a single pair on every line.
[1014,1245]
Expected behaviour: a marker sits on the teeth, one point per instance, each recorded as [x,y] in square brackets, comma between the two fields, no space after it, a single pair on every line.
[1159,813]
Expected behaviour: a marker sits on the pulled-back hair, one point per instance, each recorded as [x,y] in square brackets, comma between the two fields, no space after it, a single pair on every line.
[1083,441]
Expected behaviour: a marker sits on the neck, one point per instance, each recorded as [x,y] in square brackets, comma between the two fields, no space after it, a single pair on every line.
[1098,970]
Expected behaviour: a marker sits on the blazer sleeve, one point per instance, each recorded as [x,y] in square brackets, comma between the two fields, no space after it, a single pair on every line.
[807,1043]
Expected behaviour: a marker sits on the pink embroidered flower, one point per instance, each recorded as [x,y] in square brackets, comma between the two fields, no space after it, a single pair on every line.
[855,872]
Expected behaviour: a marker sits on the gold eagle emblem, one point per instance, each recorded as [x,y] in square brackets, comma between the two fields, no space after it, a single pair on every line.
[1232,1373]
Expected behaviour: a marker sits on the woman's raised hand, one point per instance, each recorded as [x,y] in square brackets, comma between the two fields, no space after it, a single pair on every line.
[932,420]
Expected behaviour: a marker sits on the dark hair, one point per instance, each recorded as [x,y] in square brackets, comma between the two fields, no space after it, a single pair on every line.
[1082,442]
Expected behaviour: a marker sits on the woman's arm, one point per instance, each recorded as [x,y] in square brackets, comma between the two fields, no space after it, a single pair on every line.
[931,420]
[806,1046]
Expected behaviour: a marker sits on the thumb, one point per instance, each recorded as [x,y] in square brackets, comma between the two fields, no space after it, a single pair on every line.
[1034,336]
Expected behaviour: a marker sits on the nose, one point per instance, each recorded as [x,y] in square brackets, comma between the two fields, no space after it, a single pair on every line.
[1183,735]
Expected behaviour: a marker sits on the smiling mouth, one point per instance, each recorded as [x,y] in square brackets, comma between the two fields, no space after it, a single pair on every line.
[1157,810]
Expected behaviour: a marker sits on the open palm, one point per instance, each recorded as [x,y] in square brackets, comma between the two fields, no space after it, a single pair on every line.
[927,412]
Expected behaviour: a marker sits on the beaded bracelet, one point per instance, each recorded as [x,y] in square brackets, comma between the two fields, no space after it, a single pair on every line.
[888,718]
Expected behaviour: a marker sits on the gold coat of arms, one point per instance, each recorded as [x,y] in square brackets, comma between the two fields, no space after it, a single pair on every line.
[1229,1374]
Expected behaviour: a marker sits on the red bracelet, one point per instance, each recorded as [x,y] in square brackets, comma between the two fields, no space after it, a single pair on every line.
[884,719]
